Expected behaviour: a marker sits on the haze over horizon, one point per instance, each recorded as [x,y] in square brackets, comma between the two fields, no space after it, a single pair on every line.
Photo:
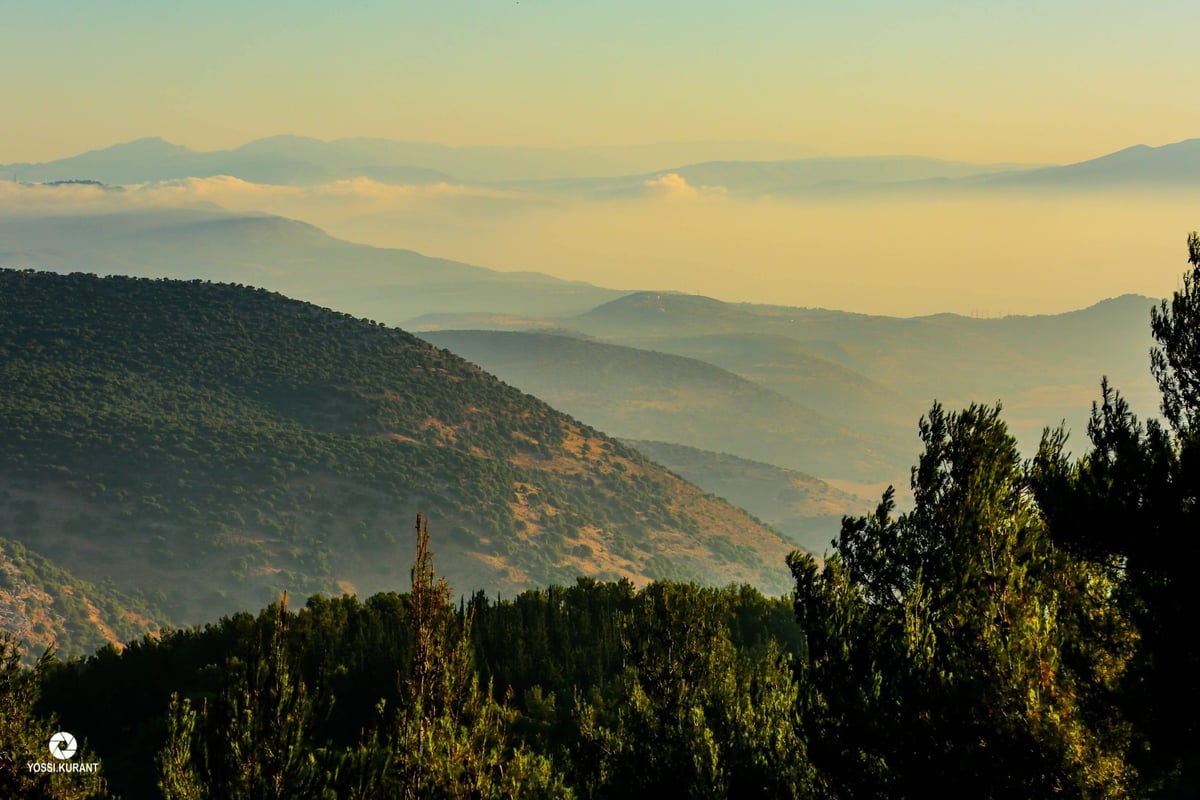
[617,85]
[893,253]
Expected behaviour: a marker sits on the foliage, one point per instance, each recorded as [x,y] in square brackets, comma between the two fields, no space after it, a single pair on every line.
[1131,506]
[340,680]
[691,716]
[25,734]
[447,737]
[937,637]
[1176,361]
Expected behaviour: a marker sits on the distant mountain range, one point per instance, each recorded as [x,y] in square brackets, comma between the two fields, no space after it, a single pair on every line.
[807,176]
[295,160]
[284,160]
[1175,166]
[175,449]
[284,255]
[299,160]
[1169,167]
[870,374]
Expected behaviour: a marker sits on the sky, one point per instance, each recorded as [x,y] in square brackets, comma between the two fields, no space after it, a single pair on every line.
[1012,80]
[1005,81]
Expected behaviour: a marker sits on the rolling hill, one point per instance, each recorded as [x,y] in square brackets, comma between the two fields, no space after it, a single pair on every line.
[784,365]
[1044,368]
[643,394]
[208,445]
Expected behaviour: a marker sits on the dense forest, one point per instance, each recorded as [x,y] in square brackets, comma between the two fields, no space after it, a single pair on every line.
[1026,630]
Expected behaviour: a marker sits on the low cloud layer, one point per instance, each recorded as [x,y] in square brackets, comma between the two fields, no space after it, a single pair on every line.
[236,194]
[905,256]
[675,185]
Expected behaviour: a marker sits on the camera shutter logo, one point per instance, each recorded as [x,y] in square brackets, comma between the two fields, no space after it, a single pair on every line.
[62,745]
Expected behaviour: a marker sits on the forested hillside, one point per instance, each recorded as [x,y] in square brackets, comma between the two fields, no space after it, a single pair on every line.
[205,446]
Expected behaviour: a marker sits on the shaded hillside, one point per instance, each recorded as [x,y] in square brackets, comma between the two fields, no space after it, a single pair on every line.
[786,366]
[1044,368]
[43,606]
[283,255]
[212,444]
[805,509]
[877,374]
[640,394]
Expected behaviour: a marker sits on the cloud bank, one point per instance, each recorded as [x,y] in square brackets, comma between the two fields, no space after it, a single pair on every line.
[675,185]
[1020,253]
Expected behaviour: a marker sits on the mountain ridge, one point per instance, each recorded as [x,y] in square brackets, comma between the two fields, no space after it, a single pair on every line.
[288,159]
[293,257]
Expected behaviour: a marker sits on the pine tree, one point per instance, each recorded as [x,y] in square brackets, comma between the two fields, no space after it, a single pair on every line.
[179,778]
[25,735]
[1131,507]
[937,638]
[254,741]
[692,717]
[1176,361]
[450,738]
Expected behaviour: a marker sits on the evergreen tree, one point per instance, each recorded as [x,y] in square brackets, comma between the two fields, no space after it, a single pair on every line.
[450,738]
[1132,506]
[25,736]
[179,778]
[1176,361]
[691,717]
[936,638]
[254,742]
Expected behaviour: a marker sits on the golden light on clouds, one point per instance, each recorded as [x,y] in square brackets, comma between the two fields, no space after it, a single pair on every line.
[965,252]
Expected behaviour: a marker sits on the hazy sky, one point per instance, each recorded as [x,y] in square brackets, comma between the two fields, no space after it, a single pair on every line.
[1008,80]
[1014,80]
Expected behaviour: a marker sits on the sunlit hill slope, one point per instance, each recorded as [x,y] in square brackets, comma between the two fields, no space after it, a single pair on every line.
[208,445]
